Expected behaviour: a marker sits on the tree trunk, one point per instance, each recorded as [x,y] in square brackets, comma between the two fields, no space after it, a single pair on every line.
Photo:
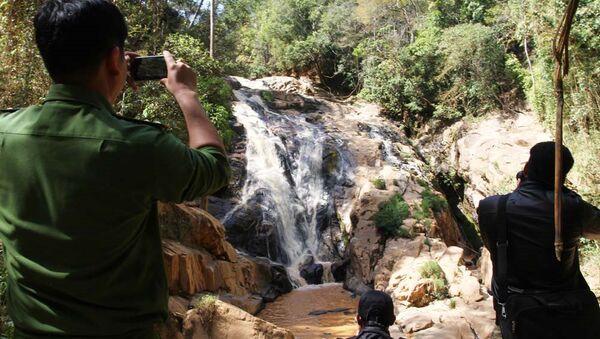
[212,28]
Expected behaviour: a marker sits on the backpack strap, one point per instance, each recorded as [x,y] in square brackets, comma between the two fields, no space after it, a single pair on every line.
[502,252]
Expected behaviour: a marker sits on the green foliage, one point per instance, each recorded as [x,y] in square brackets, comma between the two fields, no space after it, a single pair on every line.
[206,306]
[452,304]
[433,271]
[267,96]
[472,73]
[6,327]
[432,201]
[390,216]
[378,183]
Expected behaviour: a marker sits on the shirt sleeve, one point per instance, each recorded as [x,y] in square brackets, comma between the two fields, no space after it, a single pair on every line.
[183,173]
[591,221]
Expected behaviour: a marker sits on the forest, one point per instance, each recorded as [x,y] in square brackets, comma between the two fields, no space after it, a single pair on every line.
[428,63]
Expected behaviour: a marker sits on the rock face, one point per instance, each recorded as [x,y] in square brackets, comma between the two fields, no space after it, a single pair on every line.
[195,228]
[487,154]
[199,259]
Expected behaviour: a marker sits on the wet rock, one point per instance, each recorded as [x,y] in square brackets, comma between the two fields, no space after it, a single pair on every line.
[233,82]
[238,128]
[355,285]
[335,310]
[338,270]
[248,230]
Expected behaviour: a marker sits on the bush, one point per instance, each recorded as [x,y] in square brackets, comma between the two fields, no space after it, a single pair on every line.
[391,215]
[473,72]
[267,96]
[403,83]
[433,271]
[430,202]
[378,183]
[206,306]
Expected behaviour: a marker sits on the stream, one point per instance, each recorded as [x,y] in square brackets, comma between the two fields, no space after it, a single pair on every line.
[293,311]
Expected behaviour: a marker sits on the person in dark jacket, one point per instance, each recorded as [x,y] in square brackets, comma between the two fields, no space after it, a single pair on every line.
[533,269]
[375,316]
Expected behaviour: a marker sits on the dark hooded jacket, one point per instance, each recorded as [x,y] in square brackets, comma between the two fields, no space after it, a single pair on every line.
[372,332]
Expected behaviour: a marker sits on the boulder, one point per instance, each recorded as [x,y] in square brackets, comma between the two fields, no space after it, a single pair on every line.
[421,294]
[449,262]
[191,271]
[233,82]
[227,321]
[416,323]
[195,228]
[251,231]
[468,289]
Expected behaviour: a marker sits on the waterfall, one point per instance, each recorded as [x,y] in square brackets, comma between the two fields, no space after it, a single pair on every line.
[284,155]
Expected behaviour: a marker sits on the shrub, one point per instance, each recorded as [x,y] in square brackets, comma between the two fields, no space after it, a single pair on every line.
[390,216]
[452,304]
[433,271]
[206,306]
[267,96]
[432,201]
[378,183]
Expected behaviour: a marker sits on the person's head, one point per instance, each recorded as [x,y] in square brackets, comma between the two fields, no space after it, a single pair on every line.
[375,308]
[540,166]
[81,42]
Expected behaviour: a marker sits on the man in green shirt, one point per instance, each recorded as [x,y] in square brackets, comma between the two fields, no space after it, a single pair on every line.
[79,185]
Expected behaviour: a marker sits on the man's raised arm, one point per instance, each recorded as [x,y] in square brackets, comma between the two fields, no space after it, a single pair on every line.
[181,82]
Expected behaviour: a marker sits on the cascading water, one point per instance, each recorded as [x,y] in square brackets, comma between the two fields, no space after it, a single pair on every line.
[283,173]
[388,152]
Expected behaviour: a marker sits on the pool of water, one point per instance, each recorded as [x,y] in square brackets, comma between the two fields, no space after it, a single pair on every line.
[293,311]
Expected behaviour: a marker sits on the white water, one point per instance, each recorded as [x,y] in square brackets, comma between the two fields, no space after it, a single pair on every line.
[291,199]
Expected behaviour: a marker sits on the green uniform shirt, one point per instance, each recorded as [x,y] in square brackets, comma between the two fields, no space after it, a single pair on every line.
[78,218]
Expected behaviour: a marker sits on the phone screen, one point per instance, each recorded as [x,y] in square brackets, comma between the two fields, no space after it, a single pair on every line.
[149,68]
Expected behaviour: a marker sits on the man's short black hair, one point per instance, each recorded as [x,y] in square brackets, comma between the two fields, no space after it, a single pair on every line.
[541,163]
[73,36]
[376,307]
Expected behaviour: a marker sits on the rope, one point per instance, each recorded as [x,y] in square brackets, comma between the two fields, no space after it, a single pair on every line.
[561,57]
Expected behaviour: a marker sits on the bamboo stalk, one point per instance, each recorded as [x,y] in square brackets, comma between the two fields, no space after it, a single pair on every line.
[561,58]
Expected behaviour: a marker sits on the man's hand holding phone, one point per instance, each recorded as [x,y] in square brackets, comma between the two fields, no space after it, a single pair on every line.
[181,78]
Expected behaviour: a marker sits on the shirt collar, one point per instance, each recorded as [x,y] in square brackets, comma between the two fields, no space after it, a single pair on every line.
[62,92]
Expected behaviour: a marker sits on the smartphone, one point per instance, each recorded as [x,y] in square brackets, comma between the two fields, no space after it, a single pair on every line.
[148,68]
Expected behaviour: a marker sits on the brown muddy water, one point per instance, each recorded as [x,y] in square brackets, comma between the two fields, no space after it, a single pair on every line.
[292,310]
